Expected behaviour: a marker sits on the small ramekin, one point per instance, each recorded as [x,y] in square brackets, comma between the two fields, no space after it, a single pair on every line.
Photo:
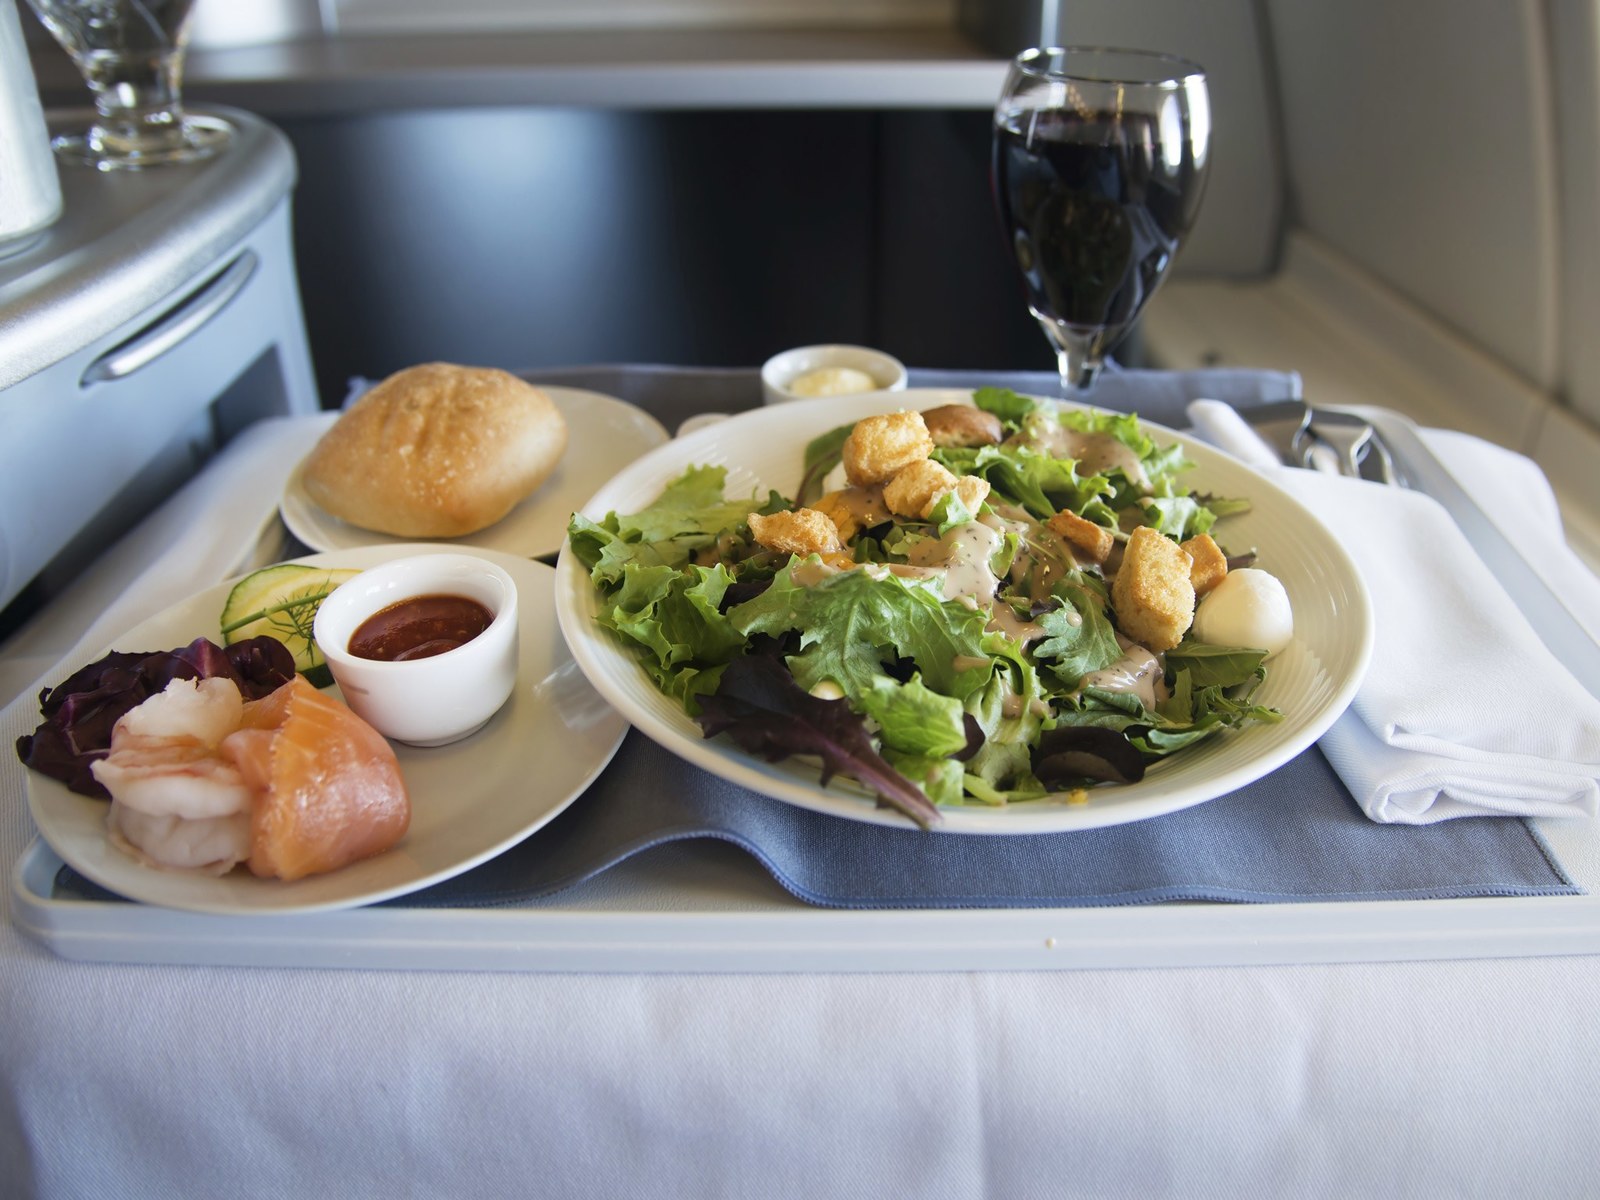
[424,701]
[887,371]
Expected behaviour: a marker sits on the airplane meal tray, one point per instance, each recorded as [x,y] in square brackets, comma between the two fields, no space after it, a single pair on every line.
[708,904]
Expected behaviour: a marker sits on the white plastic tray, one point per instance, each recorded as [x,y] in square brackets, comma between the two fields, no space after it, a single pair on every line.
[703,907]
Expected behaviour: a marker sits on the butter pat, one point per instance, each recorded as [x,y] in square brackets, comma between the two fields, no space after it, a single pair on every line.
[833,381]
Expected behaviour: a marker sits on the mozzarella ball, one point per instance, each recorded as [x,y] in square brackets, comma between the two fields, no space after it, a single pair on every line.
[1249,608]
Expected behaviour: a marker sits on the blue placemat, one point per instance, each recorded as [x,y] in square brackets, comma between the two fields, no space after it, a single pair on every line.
[1294,835]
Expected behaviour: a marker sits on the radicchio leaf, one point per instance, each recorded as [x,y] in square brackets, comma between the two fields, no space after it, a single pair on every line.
[81,711]
[759,704]
[1070,754]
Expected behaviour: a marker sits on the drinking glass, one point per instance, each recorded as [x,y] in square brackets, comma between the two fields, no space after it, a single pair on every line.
[130,53]
[1099,166]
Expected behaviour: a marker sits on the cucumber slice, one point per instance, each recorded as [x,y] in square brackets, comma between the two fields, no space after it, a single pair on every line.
[281,602]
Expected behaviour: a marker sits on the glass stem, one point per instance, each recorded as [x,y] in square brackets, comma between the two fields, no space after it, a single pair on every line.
[135,108]
[1077,369]
[1078,355]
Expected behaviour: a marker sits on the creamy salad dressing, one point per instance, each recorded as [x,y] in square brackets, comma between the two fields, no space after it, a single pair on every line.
[1096,453]
[1043,557]
[1137,671]
[964,555]
[865,504]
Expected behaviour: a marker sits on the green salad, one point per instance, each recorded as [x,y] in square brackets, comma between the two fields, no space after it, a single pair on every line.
[994,605]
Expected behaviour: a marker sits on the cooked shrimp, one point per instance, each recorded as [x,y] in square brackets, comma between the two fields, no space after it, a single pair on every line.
[164,759]
[214,844]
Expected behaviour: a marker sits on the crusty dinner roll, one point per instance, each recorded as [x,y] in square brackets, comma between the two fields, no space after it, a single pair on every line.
[437,450]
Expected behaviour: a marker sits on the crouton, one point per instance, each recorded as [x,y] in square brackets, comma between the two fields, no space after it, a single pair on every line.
[962,425]
[1210,563]
[973,491]
[916,488]
[1151,594]
[1093,541]
[878,447]
[803,531]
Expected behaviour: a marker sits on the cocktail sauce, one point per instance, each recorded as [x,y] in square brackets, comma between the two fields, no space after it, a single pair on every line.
[419,628]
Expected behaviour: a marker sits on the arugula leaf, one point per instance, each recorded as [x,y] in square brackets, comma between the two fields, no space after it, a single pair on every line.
[1079,637]
[1217,666]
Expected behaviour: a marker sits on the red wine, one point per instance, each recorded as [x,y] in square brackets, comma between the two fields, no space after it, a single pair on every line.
[1095,206]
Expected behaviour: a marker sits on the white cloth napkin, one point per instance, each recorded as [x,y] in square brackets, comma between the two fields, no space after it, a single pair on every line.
[1464,710]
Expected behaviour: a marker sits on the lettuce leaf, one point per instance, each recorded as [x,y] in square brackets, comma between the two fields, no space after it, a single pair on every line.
[673,617]
[1004,403]
[1079,637]
[689,515]
[915,720]
[1033,480]
[760,706]
[852,624]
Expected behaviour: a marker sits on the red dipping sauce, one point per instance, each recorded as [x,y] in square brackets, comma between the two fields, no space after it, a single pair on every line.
[419,628]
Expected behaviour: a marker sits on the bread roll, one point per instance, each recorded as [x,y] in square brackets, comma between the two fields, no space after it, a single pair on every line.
[437,451]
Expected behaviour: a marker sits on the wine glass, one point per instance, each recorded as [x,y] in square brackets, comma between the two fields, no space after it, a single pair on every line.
[1099,165]
[130,53]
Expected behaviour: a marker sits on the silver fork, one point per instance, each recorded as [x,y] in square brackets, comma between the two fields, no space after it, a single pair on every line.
[1300,434]
[1346,435]
[1356,446]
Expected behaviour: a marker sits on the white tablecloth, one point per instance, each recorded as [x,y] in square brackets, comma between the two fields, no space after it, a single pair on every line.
[1453,1078]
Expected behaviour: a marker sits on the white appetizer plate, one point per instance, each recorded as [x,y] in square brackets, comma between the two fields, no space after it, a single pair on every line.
[604,435]
[470,800]
[1311,682]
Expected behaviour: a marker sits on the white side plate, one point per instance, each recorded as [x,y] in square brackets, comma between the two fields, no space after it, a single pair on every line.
[470,800]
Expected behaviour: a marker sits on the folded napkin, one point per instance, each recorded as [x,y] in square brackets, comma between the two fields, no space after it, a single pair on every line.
[1464,710]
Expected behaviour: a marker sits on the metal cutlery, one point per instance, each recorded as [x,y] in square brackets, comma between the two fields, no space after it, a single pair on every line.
[1301,435]
[1361,451]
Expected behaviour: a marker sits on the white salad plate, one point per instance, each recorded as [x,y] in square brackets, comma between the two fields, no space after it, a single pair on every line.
[470,800]
[604,435]
[1311,681]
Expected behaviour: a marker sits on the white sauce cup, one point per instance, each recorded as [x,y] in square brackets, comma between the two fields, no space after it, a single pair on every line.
[424,701]
[888,372]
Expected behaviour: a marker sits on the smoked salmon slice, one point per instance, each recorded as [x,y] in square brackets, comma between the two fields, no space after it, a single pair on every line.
[328,786]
